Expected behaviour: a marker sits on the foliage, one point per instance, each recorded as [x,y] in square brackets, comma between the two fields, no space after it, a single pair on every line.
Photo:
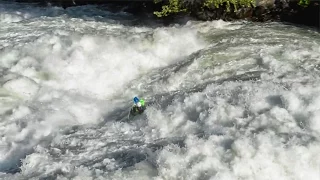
[235,3]
[304,3]
[174,6]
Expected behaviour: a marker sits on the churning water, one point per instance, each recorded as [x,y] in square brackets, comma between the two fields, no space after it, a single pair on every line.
[225,100]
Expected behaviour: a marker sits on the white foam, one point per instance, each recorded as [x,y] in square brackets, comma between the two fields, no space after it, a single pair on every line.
[257,149]
[63,71]
[71,68]
[23,87]
[100,66]
[9,18]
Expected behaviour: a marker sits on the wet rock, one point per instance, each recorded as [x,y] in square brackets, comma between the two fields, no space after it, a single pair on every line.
[266,10]
[265,3]
[301,15]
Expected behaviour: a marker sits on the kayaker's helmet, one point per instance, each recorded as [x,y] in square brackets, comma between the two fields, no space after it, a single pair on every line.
[136,100]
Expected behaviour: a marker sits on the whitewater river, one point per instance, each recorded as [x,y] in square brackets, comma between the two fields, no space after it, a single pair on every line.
[227,101]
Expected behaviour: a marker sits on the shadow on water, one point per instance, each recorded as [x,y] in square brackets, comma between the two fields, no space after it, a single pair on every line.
[111,13]
[136,153]
[167,98]
[275,100]
[119,114]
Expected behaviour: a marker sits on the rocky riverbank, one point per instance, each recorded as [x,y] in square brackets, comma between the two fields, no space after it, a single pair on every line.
[263,10]
[267,10]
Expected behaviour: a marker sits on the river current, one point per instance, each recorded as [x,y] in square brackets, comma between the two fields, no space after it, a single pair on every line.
[226,100]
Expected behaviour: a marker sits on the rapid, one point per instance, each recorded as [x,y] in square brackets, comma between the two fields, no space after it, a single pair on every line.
[226,100]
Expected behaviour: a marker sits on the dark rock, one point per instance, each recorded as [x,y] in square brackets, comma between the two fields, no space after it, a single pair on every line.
[245,13]
[266,10]
[302,15]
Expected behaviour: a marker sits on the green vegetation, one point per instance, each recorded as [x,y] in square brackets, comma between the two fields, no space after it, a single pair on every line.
[235,3]
[304,3]
[176,6]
